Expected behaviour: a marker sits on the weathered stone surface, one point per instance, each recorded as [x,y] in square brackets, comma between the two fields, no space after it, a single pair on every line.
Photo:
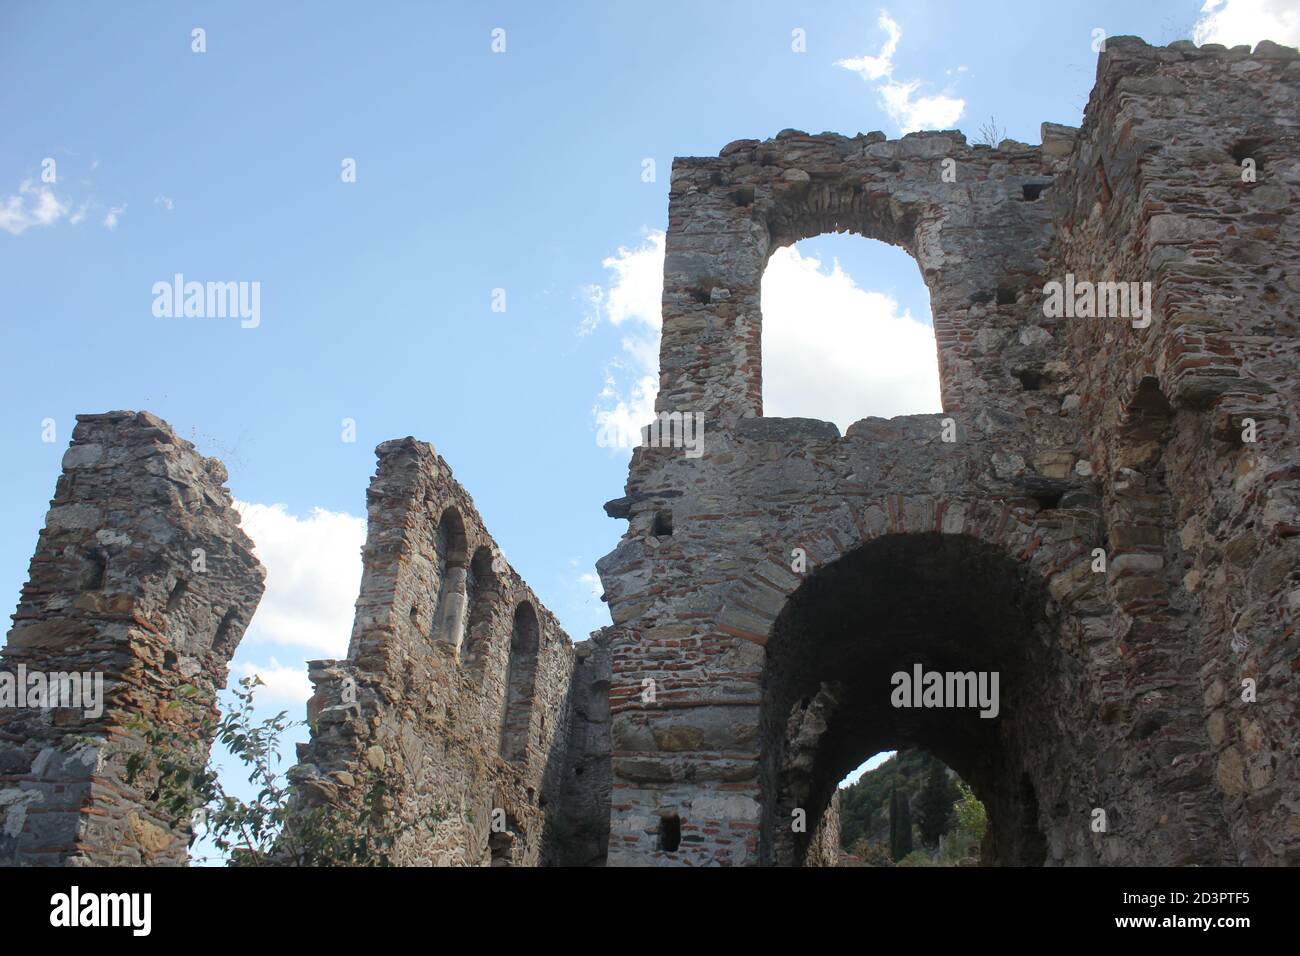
[969,539]
[143,577]
[455,691]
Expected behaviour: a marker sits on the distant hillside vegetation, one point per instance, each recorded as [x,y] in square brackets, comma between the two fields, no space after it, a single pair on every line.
[937,820]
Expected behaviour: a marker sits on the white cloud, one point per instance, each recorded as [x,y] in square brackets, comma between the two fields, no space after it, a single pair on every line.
[164,201]
[31,206]
[631,301]
[899,98]
[313,574]
[1234,22]
[38,205]
[283,684]
[634,295]
[837,352]
[877,67]
[831,350]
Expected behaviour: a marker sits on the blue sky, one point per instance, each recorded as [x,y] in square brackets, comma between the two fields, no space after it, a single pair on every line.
[522,171]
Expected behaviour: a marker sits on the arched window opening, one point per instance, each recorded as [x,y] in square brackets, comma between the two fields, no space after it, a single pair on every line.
[846,332]
[481,592]
[453,570]
[520,677]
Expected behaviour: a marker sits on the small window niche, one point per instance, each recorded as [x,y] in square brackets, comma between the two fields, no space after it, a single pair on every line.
[670,833]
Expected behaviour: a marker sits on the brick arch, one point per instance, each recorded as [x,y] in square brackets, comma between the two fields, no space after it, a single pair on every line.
[948,602]
[1060,561]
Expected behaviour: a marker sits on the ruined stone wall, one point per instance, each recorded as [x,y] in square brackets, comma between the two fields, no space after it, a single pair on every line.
[423,703]
[1156,192]
[824,849]
[142,576]
[765,592]
[695,610]
[788,556]
[578,833]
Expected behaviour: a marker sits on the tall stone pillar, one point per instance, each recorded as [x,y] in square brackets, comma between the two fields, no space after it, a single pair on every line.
[139,591]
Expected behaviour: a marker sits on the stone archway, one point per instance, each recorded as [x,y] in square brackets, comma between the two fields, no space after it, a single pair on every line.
[950,604]
[1027,458]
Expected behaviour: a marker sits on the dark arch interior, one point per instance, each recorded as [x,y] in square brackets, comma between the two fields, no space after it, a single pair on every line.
[948,603]
[521,673]
[481,587]
[450,544]
[450,548]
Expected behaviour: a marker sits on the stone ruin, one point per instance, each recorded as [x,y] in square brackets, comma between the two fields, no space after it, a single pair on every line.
[1106,514]
[459,688]
[141,575]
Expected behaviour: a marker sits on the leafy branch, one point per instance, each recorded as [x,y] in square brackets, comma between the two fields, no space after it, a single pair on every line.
[271,829]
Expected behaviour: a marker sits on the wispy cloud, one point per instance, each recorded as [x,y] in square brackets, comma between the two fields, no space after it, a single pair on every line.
[164,201]
[39,204]
[901,99]
[1234,22]
[591,581]
[32,205]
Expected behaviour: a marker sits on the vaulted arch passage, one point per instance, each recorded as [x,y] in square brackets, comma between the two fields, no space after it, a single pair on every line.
[916,605]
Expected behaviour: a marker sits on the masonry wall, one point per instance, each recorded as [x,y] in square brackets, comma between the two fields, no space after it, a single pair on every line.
[423,702]
[578,833]
[142,576]
[1156,191]
[1067,437]
[696,610]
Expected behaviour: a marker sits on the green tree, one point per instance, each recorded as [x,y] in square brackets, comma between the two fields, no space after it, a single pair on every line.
[900,826]
[262,832]
[972,821]
[934,805]
[864,805]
